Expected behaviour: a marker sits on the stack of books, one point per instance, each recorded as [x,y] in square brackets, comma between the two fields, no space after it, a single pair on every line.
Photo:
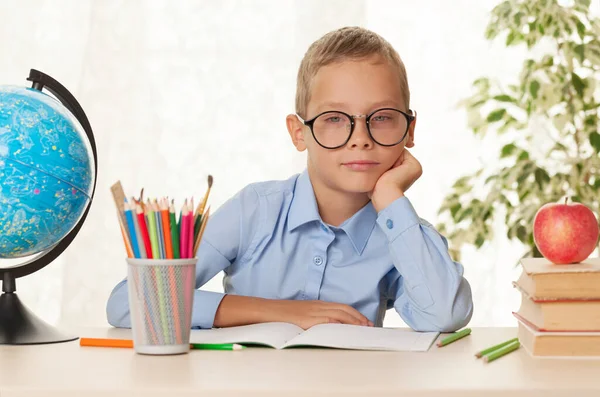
[560,308]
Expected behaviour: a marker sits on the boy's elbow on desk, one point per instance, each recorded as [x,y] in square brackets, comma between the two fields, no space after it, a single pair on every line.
[444,315]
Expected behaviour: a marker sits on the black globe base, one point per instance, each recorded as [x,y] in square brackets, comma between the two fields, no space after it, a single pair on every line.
[20,326]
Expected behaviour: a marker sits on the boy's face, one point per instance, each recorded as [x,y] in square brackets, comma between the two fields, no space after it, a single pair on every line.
[354,87]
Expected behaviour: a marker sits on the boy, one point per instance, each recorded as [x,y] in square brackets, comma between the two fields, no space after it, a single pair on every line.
[340,242]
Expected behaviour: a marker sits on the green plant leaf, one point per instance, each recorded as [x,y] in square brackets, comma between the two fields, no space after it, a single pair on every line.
[578,84]
[595,141]
[541,177]
[580,52]
[524,155]
[584,3]
[479,241]
[465,213]
[454,209]
[507,150]
[522,233]
[496,115]
[510,38]
[534,87]
[581,29]
[504,98]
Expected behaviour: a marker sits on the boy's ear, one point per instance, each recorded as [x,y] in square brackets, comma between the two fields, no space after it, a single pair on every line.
[295,129]
[410,138]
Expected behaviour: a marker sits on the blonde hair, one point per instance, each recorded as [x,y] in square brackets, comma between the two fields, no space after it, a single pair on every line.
[349,43]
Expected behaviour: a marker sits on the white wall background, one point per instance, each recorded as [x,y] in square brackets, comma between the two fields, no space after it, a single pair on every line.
[177,90]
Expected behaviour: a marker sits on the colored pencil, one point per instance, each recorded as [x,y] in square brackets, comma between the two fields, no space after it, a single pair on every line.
[159,230]
[144,230]
[454,337]
[501,351]
[494,348]
[217,346]
[174,231]
[131,227]
[184,231]
[136,225]
[103,342]
[190,236]
[152,231]
[166,223]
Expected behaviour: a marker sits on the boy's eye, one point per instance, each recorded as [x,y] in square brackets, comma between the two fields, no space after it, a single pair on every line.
[333,119]
[381,118]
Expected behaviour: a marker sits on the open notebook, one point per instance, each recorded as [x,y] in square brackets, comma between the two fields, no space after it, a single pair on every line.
[340,336]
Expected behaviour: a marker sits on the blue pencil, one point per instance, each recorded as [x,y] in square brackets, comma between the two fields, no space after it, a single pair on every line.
[132,235]
[138,232]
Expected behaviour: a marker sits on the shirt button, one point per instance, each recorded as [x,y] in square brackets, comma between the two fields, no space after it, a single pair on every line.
[317,260]
[389,224]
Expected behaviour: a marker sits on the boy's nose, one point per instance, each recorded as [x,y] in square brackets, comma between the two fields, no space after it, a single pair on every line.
[360,137]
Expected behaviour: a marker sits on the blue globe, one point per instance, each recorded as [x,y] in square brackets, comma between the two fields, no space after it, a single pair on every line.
[46,175]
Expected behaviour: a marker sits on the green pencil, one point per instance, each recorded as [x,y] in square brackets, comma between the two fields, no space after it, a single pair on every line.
[495,347]
[454,337]
[217,346]
[174,231]
[502,351]
[152,232]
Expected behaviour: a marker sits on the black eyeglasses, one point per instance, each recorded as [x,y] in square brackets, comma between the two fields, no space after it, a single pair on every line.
[333,129]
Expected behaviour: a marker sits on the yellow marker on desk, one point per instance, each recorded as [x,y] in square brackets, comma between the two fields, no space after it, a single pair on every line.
[454,337]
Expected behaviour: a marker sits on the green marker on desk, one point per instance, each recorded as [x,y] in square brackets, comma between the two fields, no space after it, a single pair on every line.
[216,346]
[454,337]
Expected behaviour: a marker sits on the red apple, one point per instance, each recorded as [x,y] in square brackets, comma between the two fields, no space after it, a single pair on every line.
[565,232]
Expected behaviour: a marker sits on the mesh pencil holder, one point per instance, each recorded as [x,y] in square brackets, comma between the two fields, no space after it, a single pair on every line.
[161,297]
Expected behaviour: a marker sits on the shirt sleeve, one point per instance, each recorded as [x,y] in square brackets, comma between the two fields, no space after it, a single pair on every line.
[226,237]
[430,293]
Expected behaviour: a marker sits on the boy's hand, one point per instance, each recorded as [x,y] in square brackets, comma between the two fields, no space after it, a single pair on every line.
[305,314]
[237,310]
[394,182]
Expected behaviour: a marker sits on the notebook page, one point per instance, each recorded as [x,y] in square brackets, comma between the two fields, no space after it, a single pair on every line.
[344,336]
[269,334]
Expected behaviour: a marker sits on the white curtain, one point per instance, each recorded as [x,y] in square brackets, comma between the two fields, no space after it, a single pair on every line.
[179,90]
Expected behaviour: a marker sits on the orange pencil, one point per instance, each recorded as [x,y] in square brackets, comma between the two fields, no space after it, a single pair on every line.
[166,228]
[101,342]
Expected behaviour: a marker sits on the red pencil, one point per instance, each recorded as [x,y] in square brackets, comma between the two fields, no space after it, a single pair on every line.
[191,229]
[144,230]
[183,238]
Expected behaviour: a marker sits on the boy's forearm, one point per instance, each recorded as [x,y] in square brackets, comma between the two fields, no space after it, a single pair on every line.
[236,310]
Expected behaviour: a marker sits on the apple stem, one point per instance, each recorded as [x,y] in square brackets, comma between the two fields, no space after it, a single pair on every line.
[566,199]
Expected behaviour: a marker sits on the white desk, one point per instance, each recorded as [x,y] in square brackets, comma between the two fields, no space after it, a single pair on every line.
[70,370]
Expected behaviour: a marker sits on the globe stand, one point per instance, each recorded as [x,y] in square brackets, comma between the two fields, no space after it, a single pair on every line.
[19,325]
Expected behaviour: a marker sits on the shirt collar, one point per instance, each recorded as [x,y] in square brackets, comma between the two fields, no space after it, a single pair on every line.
[304,209]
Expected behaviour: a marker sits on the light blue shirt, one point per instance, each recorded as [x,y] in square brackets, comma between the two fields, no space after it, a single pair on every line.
[271,243]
